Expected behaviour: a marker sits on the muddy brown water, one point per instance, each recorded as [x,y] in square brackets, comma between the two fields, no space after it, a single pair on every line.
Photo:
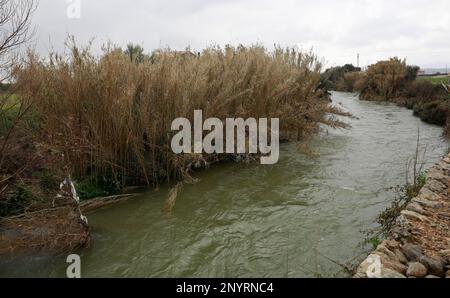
[298,218]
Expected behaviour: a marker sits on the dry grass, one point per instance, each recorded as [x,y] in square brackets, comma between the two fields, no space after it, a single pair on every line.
[111,116]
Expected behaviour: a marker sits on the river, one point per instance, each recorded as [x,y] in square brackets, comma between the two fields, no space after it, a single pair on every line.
[299,218]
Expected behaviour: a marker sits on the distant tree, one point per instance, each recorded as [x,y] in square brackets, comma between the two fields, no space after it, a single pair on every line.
[385,79]
[135,52]
[350,81]
[350,68]
[412,72]
[332,76]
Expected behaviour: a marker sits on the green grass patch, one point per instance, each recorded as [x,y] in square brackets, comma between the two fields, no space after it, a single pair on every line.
[434,112]
[374,241]
[11,109]
[437,80]
[90,188]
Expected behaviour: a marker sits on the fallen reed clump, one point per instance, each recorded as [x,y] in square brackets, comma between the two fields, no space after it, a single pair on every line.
[110,116]
[35,214]
[55,230]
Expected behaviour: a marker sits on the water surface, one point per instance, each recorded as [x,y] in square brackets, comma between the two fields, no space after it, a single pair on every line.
[298,218]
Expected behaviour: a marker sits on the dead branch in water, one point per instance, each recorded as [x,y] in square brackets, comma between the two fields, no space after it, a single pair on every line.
[172,198]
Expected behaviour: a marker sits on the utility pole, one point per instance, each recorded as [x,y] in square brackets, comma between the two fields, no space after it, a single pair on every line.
[357,61]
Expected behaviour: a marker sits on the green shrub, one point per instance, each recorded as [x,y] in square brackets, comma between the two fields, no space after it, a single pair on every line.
[374,241]
[15,203]
[333,76]
[12,111]
[48,181]
[435,112]
[99,186]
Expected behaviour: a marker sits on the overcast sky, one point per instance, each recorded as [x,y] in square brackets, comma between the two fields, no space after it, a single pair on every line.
[337,30]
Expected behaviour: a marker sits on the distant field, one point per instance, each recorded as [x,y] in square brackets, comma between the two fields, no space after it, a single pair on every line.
[437,79]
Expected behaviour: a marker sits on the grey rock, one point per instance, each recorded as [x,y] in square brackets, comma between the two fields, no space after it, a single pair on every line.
[383,249]
[436,186]
[416,270]
[402,228]
[427,194]
[385,272]
[445,254]
[412,252]
[428,204]
[415,207]
[394,265]
[364,267]
[435,266]
[414,215]
[408,259]
[443,164]
[445,215]
[391,244]
[388,273]
[401,257]
[445,167]
[437,174]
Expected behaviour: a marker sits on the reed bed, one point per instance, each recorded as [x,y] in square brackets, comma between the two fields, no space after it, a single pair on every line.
[110,116]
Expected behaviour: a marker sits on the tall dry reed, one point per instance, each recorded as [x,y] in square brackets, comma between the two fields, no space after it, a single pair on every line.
[109,115]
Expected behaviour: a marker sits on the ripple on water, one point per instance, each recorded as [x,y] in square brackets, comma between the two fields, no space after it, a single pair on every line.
[296,218]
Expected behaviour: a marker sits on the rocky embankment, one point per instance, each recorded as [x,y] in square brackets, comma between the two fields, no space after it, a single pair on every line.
[419,246]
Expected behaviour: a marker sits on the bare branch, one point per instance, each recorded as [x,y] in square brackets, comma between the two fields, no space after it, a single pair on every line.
[15,29]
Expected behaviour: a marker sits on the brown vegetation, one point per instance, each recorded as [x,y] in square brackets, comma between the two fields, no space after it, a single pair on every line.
[107,120]
[384,80]
[336,78]
[54,230]
[395,81]
[31,216]
[350,81]
[111,117]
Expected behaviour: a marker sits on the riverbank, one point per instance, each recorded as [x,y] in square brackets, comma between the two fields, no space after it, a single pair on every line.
[419,246]
[394,81]
[106,121]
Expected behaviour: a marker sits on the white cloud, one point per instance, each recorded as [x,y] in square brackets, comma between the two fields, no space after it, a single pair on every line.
[337,30]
